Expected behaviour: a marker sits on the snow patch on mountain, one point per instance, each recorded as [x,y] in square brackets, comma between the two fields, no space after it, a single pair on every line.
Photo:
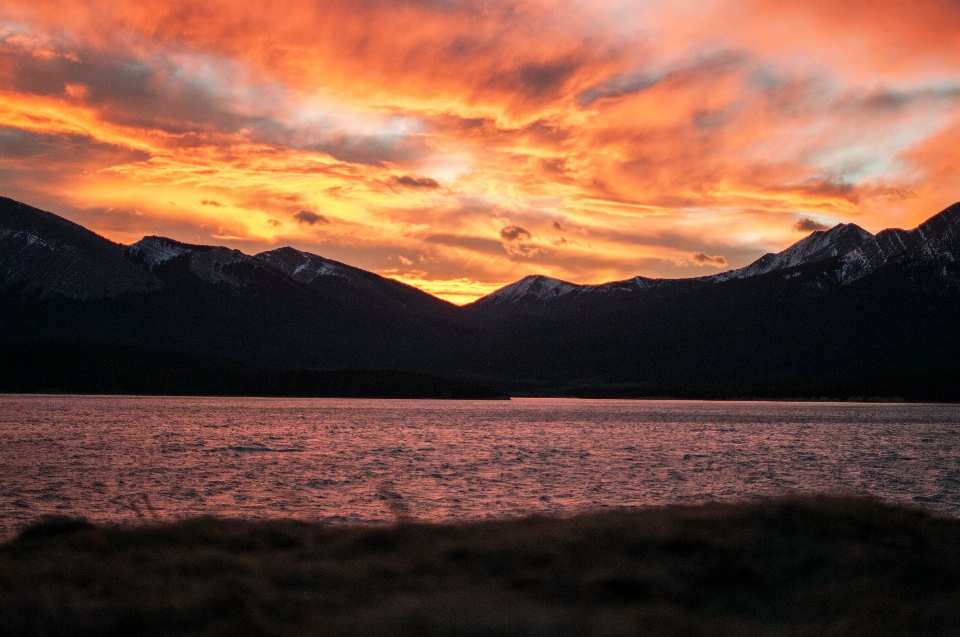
[29,239]
[819,245]
[940,235]
[302,267]
[634,284]
[936,239]
[208,263]
[154,251]
[50,256]
[538,288]
[534,287]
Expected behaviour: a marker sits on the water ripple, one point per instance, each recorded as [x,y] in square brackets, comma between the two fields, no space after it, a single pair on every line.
[126,459]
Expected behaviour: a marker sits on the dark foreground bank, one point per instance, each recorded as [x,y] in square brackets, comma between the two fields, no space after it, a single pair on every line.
[818,566]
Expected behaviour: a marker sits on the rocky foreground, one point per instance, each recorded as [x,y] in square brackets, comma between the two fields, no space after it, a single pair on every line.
[822,566]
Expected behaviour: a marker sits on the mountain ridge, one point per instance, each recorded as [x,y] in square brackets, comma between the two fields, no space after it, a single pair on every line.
[794,326]
[861,253]
[51,256]
[38,250]
[817,246]
[27,230]
[936,239]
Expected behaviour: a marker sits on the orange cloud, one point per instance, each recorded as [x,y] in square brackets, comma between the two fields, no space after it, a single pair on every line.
[459,145]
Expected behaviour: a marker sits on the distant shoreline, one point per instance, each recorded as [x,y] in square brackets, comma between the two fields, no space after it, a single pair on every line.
[83,368]
[121,395]
[851,401]
[68,367]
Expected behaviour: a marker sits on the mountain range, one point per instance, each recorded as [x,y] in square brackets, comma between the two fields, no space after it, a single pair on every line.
[841,313]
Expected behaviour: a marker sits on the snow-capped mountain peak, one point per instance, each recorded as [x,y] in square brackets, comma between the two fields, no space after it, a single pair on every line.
[937,238]
[302,267]
[860,253]
[819,245]
[153,251]
[534,287]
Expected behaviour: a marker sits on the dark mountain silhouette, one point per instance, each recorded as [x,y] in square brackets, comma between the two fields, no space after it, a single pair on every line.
[935,242]
[348,282]
[537,292]
[882,318]
[840,313]
[49,256]
[162,293]
[818,246]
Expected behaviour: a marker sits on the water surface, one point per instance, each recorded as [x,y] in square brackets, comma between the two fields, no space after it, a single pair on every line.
[128,459]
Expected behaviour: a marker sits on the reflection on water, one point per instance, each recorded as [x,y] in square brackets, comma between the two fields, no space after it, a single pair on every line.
[125,459]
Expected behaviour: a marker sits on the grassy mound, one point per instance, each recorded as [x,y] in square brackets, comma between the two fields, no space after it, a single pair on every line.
[820,566]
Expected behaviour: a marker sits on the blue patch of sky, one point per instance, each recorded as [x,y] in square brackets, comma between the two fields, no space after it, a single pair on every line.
[878,155]
[227,80]
[873,156]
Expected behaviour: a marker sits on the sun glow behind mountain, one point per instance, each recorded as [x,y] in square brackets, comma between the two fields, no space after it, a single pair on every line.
[460,145]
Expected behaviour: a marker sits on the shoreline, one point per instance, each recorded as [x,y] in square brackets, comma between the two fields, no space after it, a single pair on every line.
[76,367]
[873,400]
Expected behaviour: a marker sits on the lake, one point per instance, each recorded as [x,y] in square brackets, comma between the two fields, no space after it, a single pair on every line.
[133,459]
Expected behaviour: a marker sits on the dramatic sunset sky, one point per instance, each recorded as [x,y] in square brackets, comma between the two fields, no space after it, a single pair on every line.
[459,145]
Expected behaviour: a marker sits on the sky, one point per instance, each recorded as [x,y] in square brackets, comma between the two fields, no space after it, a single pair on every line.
[459,145]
